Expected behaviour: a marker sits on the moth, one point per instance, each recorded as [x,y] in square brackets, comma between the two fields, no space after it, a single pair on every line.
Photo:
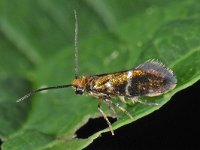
[149,79]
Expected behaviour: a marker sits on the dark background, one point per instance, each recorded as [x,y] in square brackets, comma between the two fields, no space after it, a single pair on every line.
[174,126]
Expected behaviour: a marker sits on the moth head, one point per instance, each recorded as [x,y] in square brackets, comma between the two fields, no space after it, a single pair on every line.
[79,85]
[79,91]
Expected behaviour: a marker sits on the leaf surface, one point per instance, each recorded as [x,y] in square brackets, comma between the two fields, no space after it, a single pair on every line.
[113,40]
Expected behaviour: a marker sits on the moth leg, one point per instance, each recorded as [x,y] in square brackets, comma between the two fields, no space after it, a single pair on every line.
[110,105]
[120,108]
[122,99]
[137,100]
[105,117]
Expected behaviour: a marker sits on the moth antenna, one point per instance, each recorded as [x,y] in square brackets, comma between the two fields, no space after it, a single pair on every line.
[43,89]
[76,46]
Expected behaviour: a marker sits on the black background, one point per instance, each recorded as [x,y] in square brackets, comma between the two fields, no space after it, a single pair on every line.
[174,126]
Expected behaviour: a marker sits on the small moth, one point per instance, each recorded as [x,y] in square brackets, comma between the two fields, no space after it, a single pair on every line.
[150,79]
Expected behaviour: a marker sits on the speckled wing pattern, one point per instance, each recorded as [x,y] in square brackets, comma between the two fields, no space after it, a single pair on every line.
[151,78]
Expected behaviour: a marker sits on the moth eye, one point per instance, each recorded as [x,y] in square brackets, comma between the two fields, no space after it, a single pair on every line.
[79,91]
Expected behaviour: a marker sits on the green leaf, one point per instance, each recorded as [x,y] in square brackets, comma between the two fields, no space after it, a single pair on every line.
[114,39]
[12,116]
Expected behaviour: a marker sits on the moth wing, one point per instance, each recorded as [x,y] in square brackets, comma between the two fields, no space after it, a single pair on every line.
[151,78]
[158,67]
